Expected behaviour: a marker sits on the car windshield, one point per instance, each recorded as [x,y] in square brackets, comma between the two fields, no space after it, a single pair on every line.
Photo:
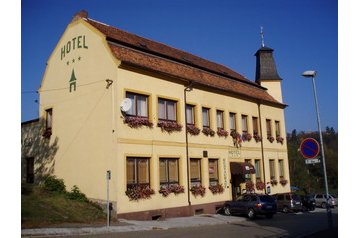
[266,198]
[295,197]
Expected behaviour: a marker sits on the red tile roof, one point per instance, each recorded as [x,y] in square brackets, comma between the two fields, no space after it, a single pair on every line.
[138,51]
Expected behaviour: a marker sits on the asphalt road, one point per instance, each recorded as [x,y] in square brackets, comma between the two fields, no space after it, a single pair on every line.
[312,224]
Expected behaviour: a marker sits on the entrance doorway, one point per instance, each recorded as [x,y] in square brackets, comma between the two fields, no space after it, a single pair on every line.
[236,180]
[30,171]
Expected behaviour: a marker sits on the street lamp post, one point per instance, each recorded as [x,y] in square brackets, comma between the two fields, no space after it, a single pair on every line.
[312,74]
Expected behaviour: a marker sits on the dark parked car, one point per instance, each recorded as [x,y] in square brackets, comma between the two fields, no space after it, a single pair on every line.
[252,205]
[288,202]
[308,202]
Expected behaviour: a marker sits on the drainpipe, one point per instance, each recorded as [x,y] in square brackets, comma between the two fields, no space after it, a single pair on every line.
[262,145]
[187,89]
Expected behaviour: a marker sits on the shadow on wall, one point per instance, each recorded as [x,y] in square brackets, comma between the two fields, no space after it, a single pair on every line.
[38,150]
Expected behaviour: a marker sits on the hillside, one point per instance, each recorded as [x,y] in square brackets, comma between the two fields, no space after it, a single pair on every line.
[43,208]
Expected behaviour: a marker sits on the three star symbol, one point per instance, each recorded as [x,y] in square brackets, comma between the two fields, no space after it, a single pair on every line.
[74,60]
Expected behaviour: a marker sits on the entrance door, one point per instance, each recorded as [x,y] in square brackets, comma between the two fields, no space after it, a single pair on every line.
[30,170]
[235,185]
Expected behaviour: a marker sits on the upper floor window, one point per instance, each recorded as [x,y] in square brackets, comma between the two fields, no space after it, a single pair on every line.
[206,117]
[190,114]
[139,105]
[168,171]
[137,171]
[167,109]
[277,129]
[220,119]
[268,127]
[255,125]
[48,118]
[232,121]
[244,124]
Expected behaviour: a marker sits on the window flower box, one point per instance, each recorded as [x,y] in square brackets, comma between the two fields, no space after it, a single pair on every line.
[270,138]
[193,130]
[173,188]
[47,133]
[198,190]
[257,138]
[139,192]
[216,188]
[169,126]
[137,122]
[208,131]
[246,136]
[260,185]
[236,137]
[273,182]
[249,186]
[283,181]
[279,139]
[222,133]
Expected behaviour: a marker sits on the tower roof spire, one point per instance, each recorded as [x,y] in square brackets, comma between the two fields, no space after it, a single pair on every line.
[262,37]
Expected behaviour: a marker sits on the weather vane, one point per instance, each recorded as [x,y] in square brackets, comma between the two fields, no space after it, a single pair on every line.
[262,37]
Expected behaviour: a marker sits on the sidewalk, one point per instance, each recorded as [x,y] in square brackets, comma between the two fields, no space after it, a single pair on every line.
[131,225]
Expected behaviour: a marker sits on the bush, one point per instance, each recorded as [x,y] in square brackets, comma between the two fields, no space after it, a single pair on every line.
[54,184]
[77,195]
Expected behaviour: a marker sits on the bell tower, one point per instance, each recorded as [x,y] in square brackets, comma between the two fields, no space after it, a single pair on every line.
[266,72]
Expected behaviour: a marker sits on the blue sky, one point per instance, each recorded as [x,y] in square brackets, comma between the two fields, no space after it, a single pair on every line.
[303,34]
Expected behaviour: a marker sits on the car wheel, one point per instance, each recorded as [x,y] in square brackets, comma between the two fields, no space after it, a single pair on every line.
[285,209]
[251,213]
[324,205]
[269,216]
[227,211]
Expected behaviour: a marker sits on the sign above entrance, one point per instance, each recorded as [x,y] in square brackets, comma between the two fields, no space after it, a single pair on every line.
[309,148]
[234,153]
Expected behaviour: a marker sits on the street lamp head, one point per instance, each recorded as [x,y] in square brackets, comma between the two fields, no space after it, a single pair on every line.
[309,73]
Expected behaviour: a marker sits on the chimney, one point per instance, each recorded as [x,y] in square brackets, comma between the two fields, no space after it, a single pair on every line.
[80,14]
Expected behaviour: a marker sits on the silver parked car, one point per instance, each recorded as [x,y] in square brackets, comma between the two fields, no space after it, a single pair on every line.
[321,200]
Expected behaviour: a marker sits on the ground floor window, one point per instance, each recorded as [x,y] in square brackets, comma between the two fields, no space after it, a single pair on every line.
[272,169]
[213,172]
[195,172]
[168,171]
[137,171]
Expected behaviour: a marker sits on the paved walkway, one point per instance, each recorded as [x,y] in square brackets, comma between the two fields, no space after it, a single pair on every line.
[131,225]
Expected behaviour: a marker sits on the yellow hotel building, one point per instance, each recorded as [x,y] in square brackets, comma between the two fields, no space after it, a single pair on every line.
[179,134]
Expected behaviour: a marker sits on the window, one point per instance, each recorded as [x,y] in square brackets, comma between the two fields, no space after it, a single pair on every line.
[48,119]
[137,171]
[167,110]
[280,163]
[257,169]
[220,119]
[168,171]
[268,127]
[206,117]
[213,172]
[195,172]
[232,121]
[277,128]
[190,114]
[272,169]
[139,105]
[244,123]
[255,125]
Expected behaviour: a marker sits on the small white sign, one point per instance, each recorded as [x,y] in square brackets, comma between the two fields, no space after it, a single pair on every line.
[312,161]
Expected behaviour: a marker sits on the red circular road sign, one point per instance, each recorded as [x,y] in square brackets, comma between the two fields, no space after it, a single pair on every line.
[309,148]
